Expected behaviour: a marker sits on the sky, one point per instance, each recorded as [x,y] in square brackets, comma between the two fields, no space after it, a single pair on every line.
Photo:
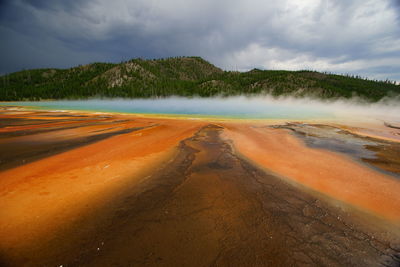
[359,37]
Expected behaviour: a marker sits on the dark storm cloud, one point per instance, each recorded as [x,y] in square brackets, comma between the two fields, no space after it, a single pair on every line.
[52,5]
[396,6]
[3,7]
[339,36]
[396,3]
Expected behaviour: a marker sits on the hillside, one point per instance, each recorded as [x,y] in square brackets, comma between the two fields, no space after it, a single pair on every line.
[183,76]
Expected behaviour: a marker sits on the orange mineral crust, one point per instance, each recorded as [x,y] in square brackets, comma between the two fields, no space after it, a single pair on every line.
[38,198]
[90,189]
[329,173]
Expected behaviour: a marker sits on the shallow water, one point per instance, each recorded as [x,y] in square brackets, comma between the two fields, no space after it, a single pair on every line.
[333,139]
[233,107]
[260,107]
[364,149]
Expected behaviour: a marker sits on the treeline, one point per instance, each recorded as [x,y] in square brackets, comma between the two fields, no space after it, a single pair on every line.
[182,76]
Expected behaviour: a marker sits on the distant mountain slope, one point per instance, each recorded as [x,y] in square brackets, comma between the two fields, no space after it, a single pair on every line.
[183,76]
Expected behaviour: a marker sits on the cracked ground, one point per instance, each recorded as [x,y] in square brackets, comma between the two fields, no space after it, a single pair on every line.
[209,206]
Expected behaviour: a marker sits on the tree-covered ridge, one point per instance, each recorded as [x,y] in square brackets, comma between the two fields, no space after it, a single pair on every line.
[183,76]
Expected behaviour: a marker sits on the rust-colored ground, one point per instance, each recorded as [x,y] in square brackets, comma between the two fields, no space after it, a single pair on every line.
[323,171]
[105,190]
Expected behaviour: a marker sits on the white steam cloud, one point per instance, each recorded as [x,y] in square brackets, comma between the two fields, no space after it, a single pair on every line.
[259,107]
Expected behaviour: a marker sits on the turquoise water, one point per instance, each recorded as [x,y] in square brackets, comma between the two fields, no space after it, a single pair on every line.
[232,107]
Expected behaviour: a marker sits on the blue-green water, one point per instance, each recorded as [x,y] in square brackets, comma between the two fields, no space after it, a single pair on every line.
[233,107]
[230,107]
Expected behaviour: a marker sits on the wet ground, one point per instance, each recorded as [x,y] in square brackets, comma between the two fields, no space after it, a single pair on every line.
[383,155]
[205,206]
[31,136]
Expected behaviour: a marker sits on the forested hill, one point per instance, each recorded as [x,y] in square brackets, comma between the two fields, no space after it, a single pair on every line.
[183,76]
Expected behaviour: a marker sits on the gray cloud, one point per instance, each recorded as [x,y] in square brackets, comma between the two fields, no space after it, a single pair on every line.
[353,36]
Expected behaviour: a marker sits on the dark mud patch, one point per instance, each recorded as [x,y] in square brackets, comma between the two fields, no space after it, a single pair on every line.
[50,126]
[391,125]
[378,154]
[15,154]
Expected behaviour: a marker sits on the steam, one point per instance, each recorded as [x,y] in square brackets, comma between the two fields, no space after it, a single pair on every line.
[259,107]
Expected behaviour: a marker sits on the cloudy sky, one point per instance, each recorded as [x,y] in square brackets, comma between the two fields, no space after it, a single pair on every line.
[342,36]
